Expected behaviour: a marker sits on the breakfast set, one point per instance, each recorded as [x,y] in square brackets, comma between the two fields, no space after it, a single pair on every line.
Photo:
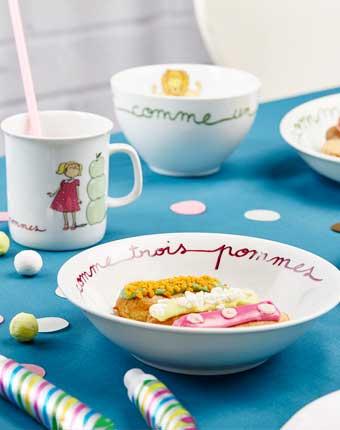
[192,303]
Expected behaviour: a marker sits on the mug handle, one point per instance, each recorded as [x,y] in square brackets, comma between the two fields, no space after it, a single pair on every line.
[115,202]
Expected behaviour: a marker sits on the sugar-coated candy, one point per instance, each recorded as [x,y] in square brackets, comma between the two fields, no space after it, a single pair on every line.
[4,243]
[159,407]
[28,263]
[52,407]
[24,327]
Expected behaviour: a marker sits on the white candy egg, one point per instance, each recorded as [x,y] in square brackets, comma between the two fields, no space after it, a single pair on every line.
[28,263]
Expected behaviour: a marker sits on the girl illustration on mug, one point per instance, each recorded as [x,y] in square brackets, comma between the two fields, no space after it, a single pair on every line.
[66,197]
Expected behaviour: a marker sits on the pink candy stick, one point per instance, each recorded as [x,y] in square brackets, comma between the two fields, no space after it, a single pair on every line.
[34,126]
[264,311]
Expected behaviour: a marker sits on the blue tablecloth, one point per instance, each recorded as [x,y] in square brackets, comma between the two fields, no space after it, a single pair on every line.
[262,173]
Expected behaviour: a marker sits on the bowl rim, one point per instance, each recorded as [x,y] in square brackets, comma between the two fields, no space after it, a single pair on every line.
[287,118]
[199,331]
[116,89]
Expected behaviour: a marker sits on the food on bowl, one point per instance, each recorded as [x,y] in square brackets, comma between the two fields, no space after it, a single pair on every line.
[137,297]
[194,301]
[240,316]
[332,144]
[177,83]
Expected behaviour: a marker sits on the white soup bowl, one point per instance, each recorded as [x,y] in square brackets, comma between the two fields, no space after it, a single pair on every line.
[304,129]
[300,283]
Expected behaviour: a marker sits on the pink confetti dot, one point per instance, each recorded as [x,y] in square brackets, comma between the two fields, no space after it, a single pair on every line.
[4,217]
[2,319]
[188,207]
[38,370]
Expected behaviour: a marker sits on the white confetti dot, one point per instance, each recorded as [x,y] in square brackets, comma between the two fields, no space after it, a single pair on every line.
[51,324]
[262,215]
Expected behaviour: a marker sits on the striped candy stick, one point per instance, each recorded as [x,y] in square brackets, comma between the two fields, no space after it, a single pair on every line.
[159,407]
[49,405]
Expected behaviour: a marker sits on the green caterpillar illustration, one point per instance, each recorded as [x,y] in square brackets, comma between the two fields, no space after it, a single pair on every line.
[96,209]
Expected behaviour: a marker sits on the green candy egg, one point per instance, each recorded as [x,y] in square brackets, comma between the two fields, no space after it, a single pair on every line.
[4,243]
[24,327]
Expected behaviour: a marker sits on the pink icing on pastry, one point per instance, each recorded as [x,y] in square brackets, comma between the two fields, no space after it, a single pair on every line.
[222,318]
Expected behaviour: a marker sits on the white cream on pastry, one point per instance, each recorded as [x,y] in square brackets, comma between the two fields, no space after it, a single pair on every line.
[202,301]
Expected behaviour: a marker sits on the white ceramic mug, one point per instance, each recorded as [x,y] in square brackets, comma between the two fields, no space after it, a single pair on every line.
[57,185]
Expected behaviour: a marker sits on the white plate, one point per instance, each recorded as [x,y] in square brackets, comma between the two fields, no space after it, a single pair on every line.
[304,128]
[300,283]
[323,413]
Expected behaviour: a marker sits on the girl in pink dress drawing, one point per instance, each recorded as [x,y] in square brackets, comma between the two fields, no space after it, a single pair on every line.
[66,198]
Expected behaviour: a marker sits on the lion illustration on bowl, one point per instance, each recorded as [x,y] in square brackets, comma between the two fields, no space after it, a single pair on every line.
[177,83]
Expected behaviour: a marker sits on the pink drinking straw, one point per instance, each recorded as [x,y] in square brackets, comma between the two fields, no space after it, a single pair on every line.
[34,126]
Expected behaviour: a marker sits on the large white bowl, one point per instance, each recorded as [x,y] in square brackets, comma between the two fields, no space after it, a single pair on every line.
[304,128]
[300,283]
[185,136]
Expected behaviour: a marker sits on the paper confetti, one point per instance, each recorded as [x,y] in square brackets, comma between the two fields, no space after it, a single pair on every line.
[4,217]
[188,207]
[2,319]
[51,324]
[38,370]
[262,215]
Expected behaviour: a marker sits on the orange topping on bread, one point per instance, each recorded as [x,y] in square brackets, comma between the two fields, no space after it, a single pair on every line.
[169,287]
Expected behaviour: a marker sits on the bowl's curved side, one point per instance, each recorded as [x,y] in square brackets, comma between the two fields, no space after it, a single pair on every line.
[199,353]
[182,136]
[326,168]
[319,113]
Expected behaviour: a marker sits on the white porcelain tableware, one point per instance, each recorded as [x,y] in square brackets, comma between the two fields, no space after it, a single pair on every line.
[322,413]
[304,128]
[57,184]
[254,35]
[300,283]
[187,135]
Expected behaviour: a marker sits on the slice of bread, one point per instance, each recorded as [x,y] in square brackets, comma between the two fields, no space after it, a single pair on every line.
[332,147]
